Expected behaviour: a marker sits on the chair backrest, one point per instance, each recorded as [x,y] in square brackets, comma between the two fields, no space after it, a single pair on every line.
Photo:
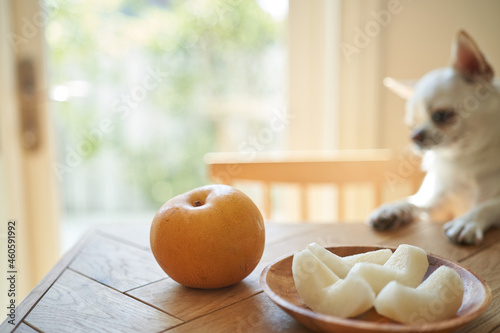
[378,167]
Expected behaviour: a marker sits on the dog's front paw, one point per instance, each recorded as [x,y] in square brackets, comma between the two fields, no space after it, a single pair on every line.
[464,231]
[391,216]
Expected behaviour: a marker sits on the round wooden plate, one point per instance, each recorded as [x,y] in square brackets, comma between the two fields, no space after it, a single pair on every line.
[277,281]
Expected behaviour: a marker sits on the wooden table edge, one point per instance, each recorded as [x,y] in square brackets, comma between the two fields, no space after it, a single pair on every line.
[34,296]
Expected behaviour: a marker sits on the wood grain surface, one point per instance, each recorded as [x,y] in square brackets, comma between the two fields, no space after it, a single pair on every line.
[85,305]
[116,264]
[23,328]
[110,282]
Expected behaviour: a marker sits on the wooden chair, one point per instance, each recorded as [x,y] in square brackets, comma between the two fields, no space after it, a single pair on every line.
[379,167]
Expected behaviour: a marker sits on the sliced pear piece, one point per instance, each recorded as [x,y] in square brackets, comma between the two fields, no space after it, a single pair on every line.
[342,265]
[438,297]
[407,265]
[323,291]
[334,262]
[378,257]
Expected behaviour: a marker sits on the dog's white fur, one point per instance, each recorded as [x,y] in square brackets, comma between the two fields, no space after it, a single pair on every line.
[454,115]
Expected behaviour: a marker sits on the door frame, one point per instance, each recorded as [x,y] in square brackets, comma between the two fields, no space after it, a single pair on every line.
[27,177]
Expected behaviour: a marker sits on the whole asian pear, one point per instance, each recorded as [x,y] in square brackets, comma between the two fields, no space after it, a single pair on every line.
[210,237]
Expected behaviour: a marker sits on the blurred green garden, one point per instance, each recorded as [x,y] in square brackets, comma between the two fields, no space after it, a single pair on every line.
[142,89]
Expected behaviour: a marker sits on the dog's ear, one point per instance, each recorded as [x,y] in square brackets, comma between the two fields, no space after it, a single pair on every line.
[403,88]
[468,59]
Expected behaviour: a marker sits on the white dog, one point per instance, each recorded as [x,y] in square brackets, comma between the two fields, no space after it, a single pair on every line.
[454,116]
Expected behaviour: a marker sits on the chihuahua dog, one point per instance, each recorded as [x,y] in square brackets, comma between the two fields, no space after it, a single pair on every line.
[454,117]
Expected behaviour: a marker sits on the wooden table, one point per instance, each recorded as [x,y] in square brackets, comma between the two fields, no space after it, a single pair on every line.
[110,282]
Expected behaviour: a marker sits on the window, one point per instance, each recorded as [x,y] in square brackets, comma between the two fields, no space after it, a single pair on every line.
[141,90]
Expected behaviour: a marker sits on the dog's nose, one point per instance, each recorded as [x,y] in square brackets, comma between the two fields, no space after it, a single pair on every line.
[419,135]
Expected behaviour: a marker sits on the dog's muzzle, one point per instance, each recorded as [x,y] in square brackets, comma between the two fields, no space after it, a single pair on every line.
[419,137]
[424,139]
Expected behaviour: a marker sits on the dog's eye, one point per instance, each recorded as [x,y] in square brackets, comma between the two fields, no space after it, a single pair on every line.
[443,116]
